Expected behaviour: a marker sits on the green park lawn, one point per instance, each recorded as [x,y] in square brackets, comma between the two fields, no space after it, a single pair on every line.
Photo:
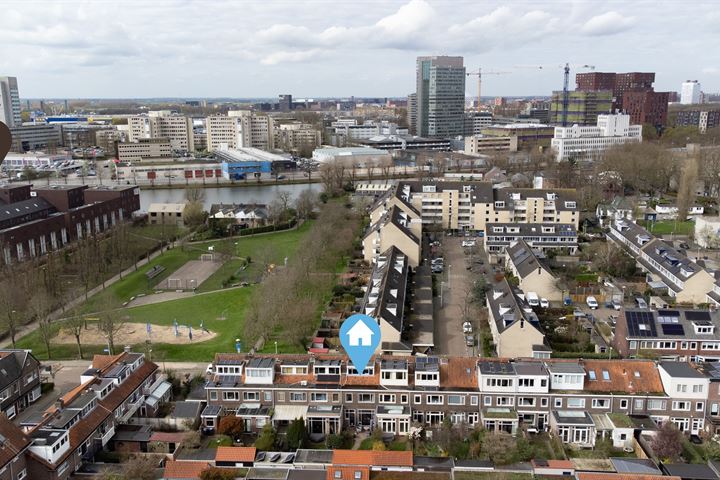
[208,307]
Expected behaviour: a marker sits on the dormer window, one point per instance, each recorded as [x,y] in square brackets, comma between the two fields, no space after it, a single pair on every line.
[500,204]
[571,205]
[497,229]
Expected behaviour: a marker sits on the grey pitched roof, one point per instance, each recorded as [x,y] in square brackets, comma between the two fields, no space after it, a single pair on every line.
[681,370]
[507,308]
[524,259]
[11,365]
[24,207]
[691,471]
[385,296]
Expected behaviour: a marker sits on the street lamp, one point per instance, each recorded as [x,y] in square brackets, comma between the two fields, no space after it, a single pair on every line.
[275,347]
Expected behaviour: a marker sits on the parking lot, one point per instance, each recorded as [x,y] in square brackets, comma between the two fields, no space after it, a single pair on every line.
[453,287]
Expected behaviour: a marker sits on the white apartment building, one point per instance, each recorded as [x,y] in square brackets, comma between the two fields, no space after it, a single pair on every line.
[475,144]
[585,143]
[239,129]
[690,92]
[10,102]
[144,149]
[177,129]
[296,137]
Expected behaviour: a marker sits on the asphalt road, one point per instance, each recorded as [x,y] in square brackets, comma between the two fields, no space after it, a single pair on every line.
[456,280]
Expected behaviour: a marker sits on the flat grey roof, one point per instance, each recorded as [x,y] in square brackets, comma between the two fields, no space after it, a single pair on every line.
[681,369]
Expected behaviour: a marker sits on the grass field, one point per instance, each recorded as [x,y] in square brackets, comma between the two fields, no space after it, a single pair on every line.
[667,227]
[209,307]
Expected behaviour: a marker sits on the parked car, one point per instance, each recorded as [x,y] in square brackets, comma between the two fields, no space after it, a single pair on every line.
[468,243]
[437,261]
[567,301]
[640,302]
[469,341]
[467,327]
[437,269]
[544,303]
[617,304]
[592,302]
[685,246]
[209,369]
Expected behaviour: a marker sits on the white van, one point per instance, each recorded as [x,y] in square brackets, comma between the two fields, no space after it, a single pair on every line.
[532,299]
[591,302]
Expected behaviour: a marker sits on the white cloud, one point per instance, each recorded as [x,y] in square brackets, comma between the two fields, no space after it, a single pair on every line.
[291,57]
[608,23]
[711,71]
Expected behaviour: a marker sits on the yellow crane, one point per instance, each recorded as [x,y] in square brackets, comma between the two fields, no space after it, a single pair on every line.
[479,74]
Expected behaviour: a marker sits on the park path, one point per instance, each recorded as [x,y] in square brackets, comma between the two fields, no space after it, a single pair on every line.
[58,313]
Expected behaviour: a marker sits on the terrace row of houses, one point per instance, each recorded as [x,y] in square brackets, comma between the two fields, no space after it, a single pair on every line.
[35,220]
[578,400]
[668,269]
[82,422]
[305,464]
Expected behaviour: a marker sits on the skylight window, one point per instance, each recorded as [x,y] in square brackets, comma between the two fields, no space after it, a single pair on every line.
[606,375]
[592,375]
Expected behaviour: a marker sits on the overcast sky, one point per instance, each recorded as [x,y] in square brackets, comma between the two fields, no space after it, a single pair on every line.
[316,48]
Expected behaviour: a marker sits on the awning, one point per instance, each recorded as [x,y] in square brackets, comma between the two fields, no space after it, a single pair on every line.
[288,413]
[161,390]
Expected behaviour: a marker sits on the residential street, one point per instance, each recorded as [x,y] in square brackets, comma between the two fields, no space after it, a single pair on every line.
[456,280]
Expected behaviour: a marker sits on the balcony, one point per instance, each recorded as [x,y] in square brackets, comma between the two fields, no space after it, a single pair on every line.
[104,439]
[131,409]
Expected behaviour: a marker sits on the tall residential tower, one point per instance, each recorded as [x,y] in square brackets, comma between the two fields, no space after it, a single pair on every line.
[9,102]
[440,96]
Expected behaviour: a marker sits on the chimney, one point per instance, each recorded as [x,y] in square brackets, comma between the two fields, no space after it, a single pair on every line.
[59,404]
[624,371]
[127,348]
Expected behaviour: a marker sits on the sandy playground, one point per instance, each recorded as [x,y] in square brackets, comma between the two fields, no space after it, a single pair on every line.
[133,333]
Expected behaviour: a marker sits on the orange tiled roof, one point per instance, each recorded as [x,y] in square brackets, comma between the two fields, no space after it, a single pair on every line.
[101,362]
[370,457]
[235,454]
[15,441]
[455,373]
[167,437]
[348,473]
[621,476]
[190,470]
[555,464]
[631,376]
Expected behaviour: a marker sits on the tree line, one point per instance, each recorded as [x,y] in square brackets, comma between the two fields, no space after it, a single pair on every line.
[291,297]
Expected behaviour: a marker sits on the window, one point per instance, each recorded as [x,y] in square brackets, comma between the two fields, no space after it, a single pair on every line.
[417,399]
[624,404]
[319,397]
[681,388]
[22,474]
[473,400]
[606,375]
[633,344]
[231,395]
[575,403]
[681,405]
[699,406]
[456,400]
[434,399]
[387,398]
[698,388]
[600,403]
[298,397]
[366,398]
[526,382]
[487,401]
[591,374]
[251,396]
[404,398]
[558,403]
[656,404]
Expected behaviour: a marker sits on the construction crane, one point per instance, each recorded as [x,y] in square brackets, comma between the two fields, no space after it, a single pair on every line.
[566,85]
[479,74]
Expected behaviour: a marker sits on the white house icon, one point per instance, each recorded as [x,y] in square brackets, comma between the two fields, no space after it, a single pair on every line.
[359,335]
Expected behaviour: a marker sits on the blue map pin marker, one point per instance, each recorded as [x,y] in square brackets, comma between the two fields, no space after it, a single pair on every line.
[360,336]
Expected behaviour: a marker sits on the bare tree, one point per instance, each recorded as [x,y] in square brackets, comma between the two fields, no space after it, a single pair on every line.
[305,203]
[284,198]
[110,324]
[687,188]
[75,325]
[40,305]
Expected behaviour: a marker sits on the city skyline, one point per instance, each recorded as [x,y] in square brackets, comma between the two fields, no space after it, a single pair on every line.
[252,49]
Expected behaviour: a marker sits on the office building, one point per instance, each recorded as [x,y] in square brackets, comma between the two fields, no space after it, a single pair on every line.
[44,137]
[240,129]
[586,143]
[10,102]
[690,92]
[583,106]
[702,119]
[529,135]
[476,144]
[285,103]
[476,121]
[144,149]
[440,96]
[177,129]
[352,155]
[240,162]
[298,138]
[632,92]
[412,112]
[406,142]
[108,140]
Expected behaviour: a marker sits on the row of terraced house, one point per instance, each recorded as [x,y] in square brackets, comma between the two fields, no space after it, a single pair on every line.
[579,400]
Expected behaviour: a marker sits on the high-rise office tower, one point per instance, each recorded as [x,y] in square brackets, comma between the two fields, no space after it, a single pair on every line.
[412,112]
[440,96]
[690,93]
[10,102]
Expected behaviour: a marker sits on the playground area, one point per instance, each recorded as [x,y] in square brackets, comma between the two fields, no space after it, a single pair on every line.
[134,333]
[192,274]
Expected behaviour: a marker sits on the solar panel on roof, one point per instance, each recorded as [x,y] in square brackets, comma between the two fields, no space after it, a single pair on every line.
[669,313]
[696,315]
[672,329]
[641,324]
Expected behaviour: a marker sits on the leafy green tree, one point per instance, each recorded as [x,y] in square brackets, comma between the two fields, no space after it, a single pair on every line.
[296,434]
[266,439]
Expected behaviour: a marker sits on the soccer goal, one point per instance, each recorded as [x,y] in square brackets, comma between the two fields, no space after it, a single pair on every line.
[175,283]
[207,257]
